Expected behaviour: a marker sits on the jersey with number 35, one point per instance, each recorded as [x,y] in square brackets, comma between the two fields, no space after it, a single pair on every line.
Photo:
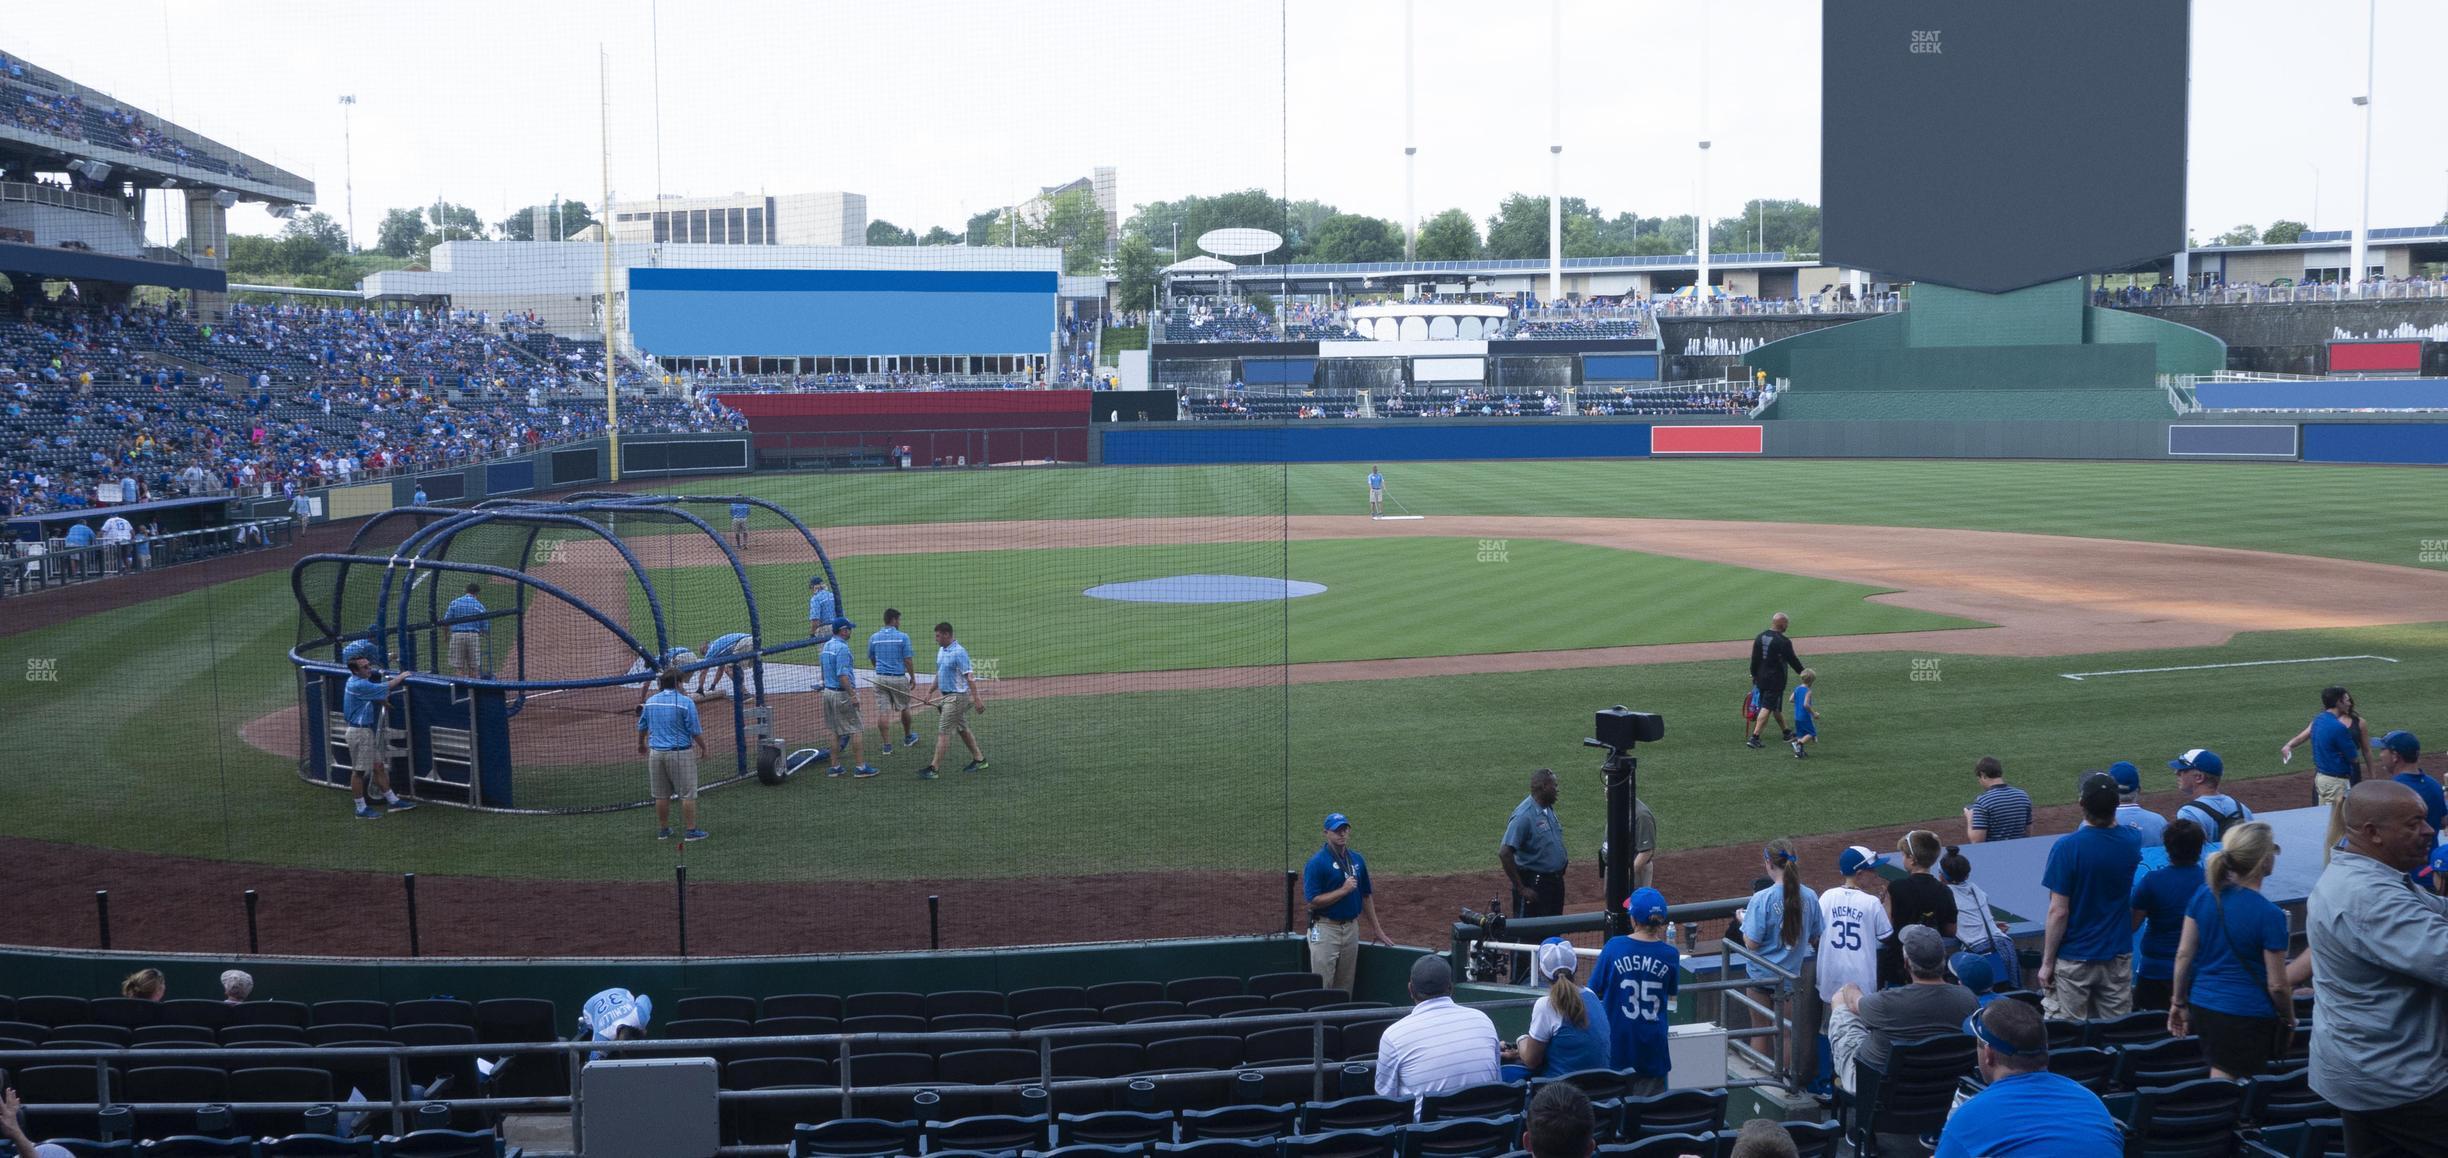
[1636,982]
[1856,923]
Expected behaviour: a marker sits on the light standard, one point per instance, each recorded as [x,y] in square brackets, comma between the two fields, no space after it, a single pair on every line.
[348,161]
[2362,231]
[2315,222]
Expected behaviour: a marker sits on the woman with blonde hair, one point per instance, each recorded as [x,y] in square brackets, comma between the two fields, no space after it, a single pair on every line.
[1565,1033]
[2231,969]
[145,985]
[1920,898]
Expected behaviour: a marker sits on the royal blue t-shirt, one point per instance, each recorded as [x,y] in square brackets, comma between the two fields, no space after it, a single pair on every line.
[1636,982]
[1573,1048]
[2093,868]
[2032,1115]
[2221,982]
[2435,803]
[1322,875]
[2333,746]
[2162,895]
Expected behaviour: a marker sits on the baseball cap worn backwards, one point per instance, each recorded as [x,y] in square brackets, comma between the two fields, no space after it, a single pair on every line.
[2098,792]
[1924,949]
[1854,859]
[1555,955]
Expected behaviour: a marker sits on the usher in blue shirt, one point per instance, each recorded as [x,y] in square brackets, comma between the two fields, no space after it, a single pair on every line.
[889,650]
[466,613]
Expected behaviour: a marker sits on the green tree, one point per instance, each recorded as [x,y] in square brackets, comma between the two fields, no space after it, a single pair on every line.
[1074,223]
[2283,232]
[2240,235]
[1135,266]
[882,232]
[1450,236]
[939,236]
[988,228]
[402,232]
[1353,237]
[1519,228]
[1242,209]
[453,222]
[521,226]
[1791,227]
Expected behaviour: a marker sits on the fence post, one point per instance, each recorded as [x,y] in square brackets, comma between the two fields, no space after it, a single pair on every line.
[934,928]
[254,945]
[1317,1060]
[408,882]
[1291,881]
[399,1088]
[681,886]
[844,1045]
[102,915]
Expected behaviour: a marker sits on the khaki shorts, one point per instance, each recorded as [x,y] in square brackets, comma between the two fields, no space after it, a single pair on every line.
[740,526]
[842,712]
[672,775]
[953,712]
[2090,990]
[2328,790]
[467,650]
[892,692]
[364,753]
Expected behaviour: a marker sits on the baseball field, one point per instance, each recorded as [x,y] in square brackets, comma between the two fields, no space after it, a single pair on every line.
[1154,760]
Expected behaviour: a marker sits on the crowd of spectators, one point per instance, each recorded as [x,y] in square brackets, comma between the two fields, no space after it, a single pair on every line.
[1237,401]
[129,404]
[2222,293]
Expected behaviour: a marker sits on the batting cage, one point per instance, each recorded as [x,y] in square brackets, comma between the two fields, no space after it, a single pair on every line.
[526,627]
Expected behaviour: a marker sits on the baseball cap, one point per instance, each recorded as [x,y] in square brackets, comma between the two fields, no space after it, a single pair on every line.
[2128,778]
[1924,949]
[2098,792]
[1647,906]
[816,580]
[843,625]
[2201,760]
[2436,865]
[1854,859]
[1974,971]
[2403,743]
[1555,955]
[1335,820]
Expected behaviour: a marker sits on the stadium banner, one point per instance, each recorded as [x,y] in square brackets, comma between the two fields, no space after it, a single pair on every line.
[2326,394]
[2272,441]
[357,501]
[1349,442]
[841,313]
[2386,357]
[1705,440]
[2391,442]
[1619,368]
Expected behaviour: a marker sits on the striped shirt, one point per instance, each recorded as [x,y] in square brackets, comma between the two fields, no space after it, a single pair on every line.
[2004,812]
[1438,1048]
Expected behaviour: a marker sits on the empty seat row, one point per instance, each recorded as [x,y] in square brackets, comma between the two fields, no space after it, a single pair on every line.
[1165,996]
[17,1035]
[416,1144]
[495,1020]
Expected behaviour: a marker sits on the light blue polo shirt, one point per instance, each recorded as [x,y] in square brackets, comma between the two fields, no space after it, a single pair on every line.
[834,663]
[80,535]
[723,643]
[1537,839]
[466,607]
[820,607]
[951,669]
[889,650]
[739,510]
[361,701]
[669,720]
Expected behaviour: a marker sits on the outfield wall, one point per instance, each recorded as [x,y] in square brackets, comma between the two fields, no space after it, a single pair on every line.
[2241,437]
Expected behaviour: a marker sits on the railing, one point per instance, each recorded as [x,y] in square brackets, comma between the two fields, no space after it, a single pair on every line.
[64,198]
[2411,289]
[26,567]
[398,1100]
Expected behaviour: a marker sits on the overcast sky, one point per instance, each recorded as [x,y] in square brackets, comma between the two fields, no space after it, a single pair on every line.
[936,109]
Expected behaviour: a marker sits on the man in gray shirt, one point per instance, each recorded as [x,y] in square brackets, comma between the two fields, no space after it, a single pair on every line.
[1862,1030]
[2380,979]
[1532,856]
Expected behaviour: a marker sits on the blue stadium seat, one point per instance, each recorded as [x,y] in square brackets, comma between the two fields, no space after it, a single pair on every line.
[854,1138]
[1219,1147]
[1363,1112]
[987,1132]
[1377,1143]
[1240,1122]
[1487,1100]
[2195,1119]
[197,1146]
[441,1144]
[1673,1112]
[1462,1137]
[316,1146]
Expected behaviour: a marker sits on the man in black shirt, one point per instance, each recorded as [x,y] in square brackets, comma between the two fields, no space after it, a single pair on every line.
[1772,656]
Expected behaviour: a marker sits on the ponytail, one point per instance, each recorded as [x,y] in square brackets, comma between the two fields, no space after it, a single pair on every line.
[1564,993]
[1954,868]
[2246,852]
[1788,866]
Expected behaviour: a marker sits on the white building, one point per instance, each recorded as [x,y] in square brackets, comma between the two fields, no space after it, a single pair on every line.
[745,219]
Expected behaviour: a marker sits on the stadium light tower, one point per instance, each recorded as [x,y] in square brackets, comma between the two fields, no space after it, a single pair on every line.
[348,166]
[1700,235]
[2362,232]
[1410,144]
[1555,151]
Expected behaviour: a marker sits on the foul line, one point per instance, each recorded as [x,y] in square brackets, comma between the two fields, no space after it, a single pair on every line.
[2082,675]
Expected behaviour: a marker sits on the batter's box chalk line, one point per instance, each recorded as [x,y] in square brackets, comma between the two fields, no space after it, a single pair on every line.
[2079,676]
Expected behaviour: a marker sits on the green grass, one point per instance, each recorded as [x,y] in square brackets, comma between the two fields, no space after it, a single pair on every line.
[1384,598]
[2377,513]
[136,745]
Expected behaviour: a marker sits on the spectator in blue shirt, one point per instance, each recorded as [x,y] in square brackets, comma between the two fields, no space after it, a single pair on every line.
[2025,1111]
[466,617]
[889,652]
[739,525]
[1636,979]
[2401,756]
[1337,886]
[1783,924]
[2231,971]
[2337,746]
[361,706]
[2129,805]
[671,739]
[2159,900]
[1568,1033]
[2086,956]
